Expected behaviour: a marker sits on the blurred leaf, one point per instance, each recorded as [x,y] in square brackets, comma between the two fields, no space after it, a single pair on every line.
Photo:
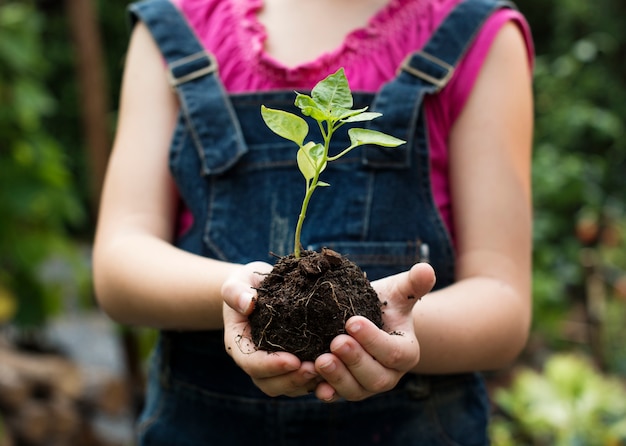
[8,305]
[38,198]
[580,149]
[569,403]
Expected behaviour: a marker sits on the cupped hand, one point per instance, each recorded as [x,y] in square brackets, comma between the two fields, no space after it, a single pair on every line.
[369,360]
[274,373]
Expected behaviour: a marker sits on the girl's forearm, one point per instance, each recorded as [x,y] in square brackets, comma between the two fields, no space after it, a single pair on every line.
[142,280]
[478,323]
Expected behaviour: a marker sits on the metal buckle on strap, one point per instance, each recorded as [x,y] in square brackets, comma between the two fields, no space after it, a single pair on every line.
[438,82]
[209,67]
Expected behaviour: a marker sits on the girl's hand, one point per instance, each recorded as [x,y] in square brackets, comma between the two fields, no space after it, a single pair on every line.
[368,360]
[274,373]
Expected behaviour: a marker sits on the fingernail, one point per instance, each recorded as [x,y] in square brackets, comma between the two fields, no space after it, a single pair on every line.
[353,327]
[342,349]
[310,375]
[330,399]
[329,366]
[245,303]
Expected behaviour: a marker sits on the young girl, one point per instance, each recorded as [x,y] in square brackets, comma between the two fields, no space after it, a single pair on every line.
[199,193]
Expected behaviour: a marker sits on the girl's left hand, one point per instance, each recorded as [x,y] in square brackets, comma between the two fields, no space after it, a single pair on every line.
[369,360]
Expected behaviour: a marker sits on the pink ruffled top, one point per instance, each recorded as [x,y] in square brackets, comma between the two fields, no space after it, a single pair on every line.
[230,30]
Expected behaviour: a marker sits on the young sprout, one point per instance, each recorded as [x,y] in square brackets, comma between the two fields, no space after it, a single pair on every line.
[330,105]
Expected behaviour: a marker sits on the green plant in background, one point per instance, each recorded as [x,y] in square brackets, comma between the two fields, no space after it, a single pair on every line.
[37,197]
[569,404]
[579,156]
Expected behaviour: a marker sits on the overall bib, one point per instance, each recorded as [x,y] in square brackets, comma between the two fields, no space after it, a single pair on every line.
[241,183]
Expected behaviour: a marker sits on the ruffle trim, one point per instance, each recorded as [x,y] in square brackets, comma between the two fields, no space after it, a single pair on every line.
[374,38]
[231,31]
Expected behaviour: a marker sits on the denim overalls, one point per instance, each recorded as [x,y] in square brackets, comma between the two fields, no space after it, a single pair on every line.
[242,185]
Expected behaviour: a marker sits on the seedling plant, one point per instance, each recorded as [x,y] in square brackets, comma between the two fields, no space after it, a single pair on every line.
[330,105]
[308,297]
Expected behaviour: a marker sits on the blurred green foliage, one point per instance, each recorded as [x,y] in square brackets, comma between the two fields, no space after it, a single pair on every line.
[37,194]
[66,121]
[580,152]
[579,275]
[571,403]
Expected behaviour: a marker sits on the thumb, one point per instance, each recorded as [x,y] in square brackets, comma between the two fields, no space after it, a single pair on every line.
[403,290]
[238,290]
[421,281]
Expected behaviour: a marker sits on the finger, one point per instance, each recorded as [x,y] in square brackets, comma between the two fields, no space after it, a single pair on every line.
[263,365]
[398,350]
[326,392]
[297,383]
[339,378]
[399,295]
[371,374]
[408,287]
[421,281]
[238,291]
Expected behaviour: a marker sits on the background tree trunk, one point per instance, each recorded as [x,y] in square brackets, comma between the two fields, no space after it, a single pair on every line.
[93,90]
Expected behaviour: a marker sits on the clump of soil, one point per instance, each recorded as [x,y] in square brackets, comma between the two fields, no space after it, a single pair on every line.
[304,303]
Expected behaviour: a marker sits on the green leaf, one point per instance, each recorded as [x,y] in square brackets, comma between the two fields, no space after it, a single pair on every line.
[316,152]
[333,92]
[361,117]
[305,164]
[344,113]
[310,108]
[358,137]
[285,124]
[310,157]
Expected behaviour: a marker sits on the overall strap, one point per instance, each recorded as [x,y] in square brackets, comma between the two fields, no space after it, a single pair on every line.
[435,63]
[193,74]
[427,71]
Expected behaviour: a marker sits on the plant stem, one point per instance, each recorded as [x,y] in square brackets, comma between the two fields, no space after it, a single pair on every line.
[339,155]
[305,203]
[310,188]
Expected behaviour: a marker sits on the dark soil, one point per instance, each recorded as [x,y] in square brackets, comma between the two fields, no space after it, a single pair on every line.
[304,303]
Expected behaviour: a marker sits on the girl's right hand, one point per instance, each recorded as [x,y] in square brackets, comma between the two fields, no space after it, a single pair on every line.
[274,373]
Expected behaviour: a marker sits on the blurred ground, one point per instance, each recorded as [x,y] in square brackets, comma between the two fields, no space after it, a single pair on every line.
[92,341]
